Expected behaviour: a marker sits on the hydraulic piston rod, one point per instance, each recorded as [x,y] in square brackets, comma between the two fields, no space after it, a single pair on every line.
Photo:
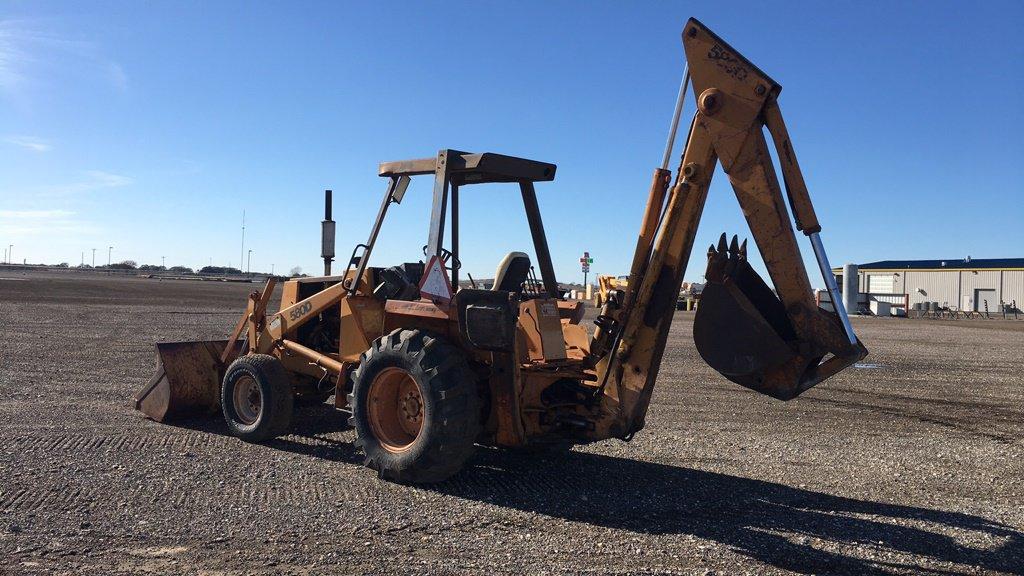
[830,284]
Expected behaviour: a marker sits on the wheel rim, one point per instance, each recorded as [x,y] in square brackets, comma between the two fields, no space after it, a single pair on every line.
[248,399]
[395,409]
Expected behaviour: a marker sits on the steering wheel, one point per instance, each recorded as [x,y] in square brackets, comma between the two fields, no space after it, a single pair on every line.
[446,255]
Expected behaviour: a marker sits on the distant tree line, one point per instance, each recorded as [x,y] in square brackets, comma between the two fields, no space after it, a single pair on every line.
[133,265]
[219,270]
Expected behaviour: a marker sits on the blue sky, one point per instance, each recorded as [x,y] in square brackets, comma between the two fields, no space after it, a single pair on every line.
[151,126]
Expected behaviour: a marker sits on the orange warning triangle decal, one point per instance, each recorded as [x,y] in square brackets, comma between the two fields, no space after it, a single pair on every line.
[435,284]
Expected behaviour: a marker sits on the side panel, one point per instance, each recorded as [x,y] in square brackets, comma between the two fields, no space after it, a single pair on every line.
[542,329]
[421,314]
[362,321]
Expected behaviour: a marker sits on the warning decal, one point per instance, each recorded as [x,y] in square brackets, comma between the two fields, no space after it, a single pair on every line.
[435,284]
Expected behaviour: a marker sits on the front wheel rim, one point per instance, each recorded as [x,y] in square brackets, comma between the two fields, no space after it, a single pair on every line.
[395,409]
[247,399]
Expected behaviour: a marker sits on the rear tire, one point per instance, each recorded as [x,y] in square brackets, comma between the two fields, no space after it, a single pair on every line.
[415,407]
[256,398]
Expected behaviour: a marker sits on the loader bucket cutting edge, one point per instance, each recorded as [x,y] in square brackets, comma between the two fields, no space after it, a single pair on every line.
[186,383]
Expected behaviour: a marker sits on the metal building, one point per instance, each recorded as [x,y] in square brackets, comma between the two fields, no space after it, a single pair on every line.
[964,284]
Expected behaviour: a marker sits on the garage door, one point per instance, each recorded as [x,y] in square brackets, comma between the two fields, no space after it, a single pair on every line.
[881,284]
[984,297]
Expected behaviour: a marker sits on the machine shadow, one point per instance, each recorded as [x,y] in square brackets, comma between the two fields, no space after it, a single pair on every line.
[767,521]
[773,523]
[311,434]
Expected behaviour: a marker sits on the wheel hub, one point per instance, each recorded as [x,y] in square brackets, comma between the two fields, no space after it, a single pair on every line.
[411,407]
[248,400]
[395,409]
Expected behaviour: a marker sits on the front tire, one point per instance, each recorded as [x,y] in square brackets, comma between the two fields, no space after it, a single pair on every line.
[415,407]
[256,398]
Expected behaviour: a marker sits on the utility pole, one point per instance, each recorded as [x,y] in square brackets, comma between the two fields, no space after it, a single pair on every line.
[242,257]
[163,262]
[93,257]
[271,269]
[248,262]
[83,260]
[10,253]
[109,250]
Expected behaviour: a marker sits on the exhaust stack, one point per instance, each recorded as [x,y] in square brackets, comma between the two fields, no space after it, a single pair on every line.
[327,235]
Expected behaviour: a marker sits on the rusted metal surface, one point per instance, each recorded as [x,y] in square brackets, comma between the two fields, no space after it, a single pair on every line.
[186,383]
[395,409]
[541,329]
[635,362]
[475,168]
[741,329]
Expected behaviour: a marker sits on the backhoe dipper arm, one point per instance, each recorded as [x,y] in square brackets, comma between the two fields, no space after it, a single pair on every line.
[774,345]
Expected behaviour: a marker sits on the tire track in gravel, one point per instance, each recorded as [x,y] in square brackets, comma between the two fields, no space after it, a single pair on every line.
[304,488]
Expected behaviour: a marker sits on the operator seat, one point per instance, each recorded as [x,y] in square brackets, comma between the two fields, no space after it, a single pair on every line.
[512,272]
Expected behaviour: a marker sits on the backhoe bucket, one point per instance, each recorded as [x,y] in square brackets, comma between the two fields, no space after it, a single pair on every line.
[743,331]
[187,380]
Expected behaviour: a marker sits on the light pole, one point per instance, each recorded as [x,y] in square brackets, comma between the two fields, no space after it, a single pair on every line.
[248,262]
[243,239]
[109,250]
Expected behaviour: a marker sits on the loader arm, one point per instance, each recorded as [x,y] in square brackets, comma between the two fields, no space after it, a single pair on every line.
[774,343]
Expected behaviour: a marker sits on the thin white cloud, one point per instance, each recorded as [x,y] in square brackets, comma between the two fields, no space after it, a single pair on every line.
[29,143]
[34,214]
[91,180]
[22,223]
[32,58]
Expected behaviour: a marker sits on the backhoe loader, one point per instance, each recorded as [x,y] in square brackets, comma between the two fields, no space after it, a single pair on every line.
[426,371]
[606,283]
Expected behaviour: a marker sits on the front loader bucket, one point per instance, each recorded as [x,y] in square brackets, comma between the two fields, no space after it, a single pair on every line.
[743,331]
[187,380]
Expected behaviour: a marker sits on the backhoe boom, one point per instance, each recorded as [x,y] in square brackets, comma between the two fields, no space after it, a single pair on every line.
[772,342]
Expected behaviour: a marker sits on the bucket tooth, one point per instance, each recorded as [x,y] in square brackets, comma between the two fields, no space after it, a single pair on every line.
[718,263]
[742,329]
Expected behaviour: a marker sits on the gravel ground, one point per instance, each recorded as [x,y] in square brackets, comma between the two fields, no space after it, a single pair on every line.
[910,464]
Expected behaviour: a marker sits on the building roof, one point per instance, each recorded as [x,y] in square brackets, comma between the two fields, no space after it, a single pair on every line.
[951,264]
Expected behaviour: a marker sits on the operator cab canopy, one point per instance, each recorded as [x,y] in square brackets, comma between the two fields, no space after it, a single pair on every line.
[471,168]
[453,169]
